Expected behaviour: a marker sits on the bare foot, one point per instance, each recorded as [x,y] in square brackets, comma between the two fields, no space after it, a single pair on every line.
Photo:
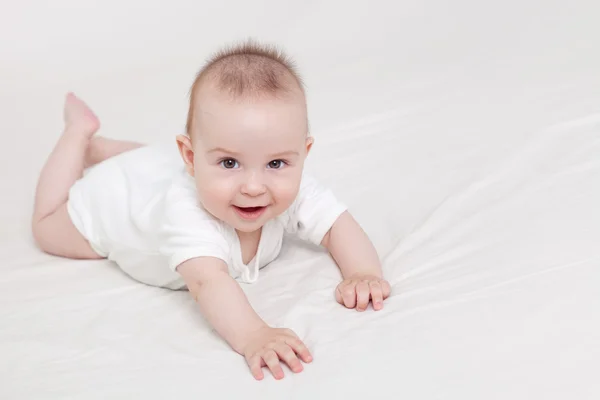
[79,118]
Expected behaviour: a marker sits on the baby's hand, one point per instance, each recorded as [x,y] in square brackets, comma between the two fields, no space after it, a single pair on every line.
[269,345]
[358,289]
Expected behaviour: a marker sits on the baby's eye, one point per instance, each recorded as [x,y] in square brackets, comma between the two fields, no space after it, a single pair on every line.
[229,163]
[276,164]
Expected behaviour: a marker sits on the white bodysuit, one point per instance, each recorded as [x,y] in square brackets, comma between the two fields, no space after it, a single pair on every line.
[140,210]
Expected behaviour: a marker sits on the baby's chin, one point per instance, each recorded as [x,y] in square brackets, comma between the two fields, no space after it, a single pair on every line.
[248,227]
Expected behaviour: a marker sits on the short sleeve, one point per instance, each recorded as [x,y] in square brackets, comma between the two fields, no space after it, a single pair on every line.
[314,211]
[188,231]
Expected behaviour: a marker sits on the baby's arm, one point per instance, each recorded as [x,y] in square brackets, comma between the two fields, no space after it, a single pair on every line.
[221,300]
[226,307]
[359,263]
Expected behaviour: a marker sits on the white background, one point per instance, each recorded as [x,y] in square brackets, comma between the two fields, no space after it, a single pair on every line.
[464,136]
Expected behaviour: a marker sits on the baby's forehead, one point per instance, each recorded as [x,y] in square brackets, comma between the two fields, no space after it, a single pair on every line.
[212,104]
[271,122]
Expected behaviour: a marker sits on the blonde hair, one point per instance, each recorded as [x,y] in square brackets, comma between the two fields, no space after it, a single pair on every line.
[247,69]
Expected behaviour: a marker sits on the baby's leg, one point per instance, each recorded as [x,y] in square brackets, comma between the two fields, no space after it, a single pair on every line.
[52,227]
[101,148]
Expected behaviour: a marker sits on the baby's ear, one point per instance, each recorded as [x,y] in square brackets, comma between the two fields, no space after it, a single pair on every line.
[187,152]
[309,143]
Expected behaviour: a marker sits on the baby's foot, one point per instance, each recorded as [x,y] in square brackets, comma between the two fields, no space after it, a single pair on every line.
[79,118]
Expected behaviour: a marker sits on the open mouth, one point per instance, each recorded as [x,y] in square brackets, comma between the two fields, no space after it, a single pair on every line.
[250,213]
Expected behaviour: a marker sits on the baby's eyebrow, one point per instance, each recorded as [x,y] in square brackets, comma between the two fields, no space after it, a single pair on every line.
[222,150]
[286,153]
[233,153]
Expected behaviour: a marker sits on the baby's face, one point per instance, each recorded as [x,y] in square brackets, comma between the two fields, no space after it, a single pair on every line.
[249,156]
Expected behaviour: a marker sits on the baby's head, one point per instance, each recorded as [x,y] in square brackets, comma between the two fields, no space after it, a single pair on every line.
[247,135]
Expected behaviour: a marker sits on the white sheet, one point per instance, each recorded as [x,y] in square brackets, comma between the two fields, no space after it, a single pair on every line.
[464,136]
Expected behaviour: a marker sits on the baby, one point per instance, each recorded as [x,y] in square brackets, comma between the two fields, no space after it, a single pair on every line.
[214,212]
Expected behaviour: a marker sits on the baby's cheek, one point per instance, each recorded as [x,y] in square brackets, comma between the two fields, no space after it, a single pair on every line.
[212,190]
[287,194]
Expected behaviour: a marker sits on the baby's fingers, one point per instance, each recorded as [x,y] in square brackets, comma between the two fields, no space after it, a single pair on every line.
[256,368]
[385,288]
[348,294]
[286,353]
[272,361]
[300,349]
[338,295]
[362,296]
[376,295]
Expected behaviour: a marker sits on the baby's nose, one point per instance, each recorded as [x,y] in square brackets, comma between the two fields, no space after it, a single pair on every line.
[253,189]
[253,186]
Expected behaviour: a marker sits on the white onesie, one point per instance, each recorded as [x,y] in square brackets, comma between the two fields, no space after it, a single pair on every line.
[140,210]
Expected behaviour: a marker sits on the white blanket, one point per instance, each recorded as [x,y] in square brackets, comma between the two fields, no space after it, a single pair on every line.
[463,135]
